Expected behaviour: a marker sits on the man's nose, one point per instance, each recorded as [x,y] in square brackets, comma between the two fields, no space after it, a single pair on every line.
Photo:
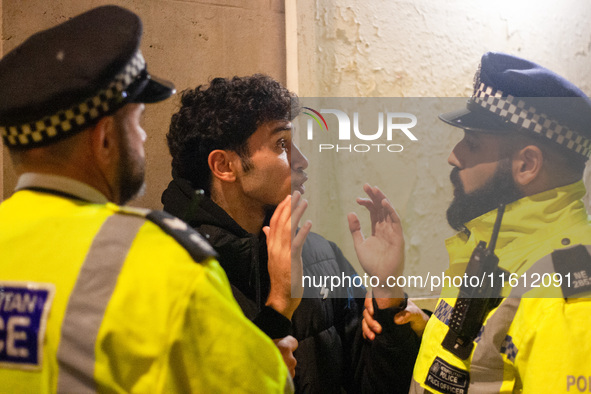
[298,160]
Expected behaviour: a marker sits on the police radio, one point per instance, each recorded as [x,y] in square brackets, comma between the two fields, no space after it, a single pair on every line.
[474,303]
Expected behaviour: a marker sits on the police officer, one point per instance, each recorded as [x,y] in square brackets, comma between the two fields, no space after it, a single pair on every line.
[95,296]
[527,136]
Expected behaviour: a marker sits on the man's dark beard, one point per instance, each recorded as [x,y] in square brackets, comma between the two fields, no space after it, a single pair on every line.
[499,189]
[131,173]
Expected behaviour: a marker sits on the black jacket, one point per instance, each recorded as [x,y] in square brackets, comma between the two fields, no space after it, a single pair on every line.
[332,355]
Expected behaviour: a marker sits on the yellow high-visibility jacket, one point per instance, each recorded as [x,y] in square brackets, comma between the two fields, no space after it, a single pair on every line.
[96,297]
[538,339]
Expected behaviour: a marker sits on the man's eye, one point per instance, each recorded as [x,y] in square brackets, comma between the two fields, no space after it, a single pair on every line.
[283,144]
[471,144]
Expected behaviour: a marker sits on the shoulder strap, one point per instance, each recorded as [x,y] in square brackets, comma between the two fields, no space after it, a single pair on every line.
[573,267]
[574,264]
[184,234]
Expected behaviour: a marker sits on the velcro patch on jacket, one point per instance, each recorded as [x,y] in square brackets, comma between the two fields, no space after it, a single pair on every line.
[184,234]
[574,266]
[446,378]
[24,307]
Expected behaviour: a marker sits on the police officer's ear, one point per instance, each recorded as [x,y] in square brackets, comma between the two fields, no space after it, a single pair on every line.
[222,164]
[104,144]
[527,165]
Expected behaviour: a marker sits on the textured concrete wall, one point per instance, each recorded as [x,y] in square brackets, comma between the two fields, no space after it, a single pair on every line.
[418,48]
[188,42]
[426,48]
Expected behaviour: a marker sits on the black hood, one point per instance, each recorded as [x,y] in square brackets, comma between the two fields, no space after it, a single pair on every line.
[242,255]
[183,201]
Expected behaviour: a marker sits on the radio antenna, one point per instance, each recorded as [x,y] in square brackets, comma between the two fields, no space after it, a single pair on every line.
[496,228]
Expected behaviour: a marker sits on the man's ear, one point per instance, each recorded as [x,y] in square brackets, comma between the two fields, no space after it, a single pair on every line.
[221,164]
[103,141]
[527,165]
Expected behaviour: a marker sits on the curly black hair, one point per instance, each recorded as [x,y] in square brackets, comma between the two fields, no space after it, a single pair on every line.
[223,115]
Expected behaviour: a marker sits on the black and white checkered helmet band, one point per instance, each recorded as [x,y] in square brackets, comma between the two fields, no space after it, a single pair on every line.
[521,114]
[77,117]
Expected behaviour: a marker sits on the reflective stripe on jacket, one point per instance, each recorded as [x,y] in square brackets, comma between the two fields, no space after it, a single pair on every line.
[537,340]
[118,305]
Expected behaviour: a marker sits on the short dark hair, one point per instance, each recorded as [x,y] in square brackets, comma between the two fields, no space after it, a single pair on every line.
[223,115]
[562,161]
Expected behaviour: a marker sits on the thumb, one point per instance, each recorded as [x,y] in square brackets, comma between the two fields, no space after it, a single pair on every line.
[402,317]
[293,343]
[368,303]
[355,228]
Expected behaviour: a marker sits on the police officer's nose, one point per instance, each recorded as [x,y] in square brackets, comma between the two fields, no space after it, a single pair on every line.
[452,159]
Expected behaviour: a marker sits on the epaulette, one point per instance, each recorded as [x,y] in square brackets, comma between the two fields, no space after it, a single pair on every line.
[574,266]
[184,234]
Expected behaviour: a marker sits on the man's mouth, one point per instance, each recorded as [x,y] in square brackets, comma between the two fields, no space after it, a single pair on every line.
[299,184]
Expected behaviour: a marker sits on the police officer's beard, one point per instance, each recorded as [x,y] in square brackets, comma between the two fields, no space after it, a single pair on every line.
[501,188]
[131,174]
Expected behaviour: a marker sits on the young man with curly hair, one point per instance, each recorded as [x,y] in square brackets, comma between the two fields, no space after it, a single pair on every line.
[233,140]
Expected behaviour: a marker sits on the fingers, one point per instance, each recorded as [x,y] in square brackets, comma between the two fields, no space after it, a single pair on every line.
[365,202]
[281,265]
[290,342]
[370,326]
[391,213]
[402,317]
[413,315]
[281,209]
[368,303]
[355,228]
[375,205]
[367,333]
[379,206]
[375,194]
[282,214]
[300,238]
[298,207]
[287,346]
[372,192]
[296,197]
[280,218]
[292,207]
[372,323]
